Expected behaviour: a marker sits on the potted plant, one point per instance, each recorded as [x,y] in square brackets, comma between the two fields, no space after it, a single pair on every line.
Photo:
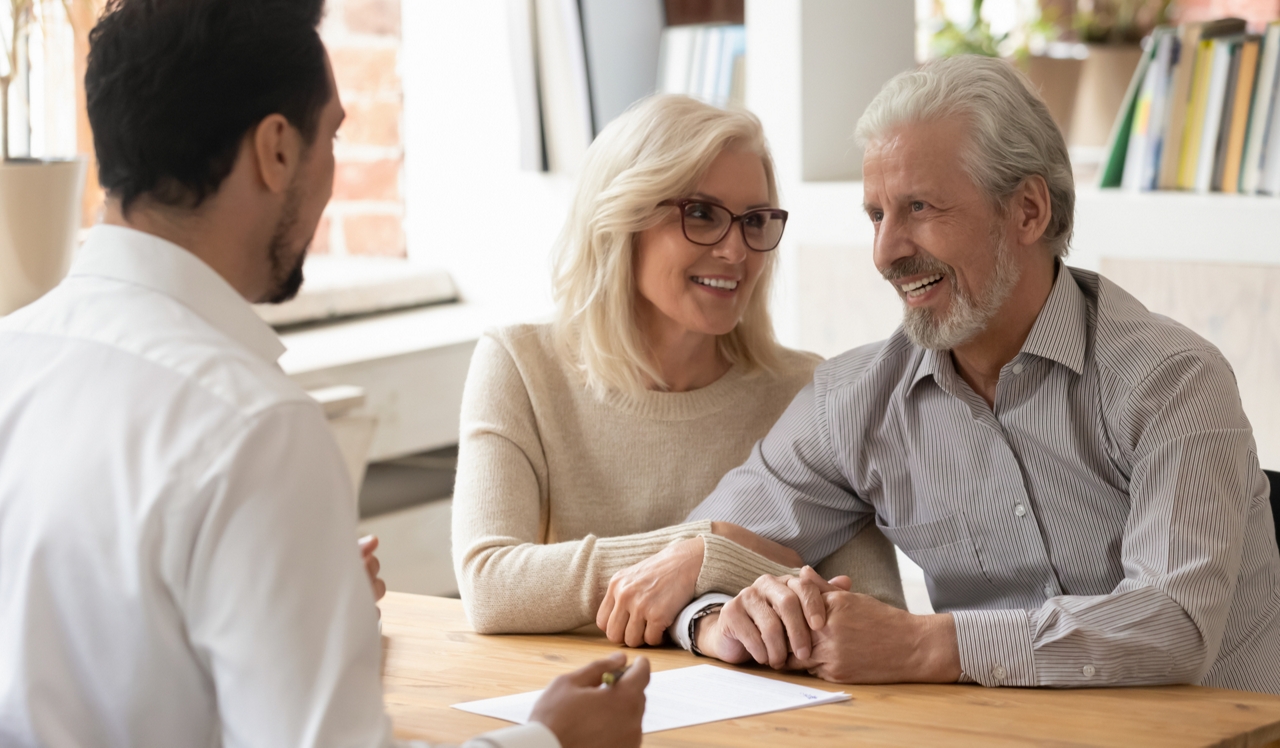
[39,198]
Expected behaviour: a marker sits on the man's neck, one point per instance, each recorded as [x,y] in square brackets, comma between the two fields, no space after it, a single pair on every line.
[194,231]
[980,360]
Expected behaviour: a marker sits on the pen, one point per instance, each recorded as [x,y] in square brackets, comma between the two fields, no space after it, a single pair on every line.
[613,677]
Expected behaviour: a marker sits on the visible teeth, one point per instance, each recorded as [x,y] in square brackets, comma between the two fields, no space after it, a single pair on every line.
[716,283]
[907,288]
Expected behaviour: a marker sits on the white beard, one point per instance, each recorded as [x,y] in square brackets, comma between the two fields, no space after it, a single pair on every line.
[965,316]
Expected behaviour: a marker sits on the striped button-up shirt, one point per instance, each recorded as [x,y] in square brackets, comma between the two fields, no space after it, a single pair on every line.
[1106,523]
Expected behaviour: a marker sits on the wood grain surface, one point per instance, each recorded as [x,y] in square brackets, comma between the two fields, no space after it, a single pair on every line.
[433,659]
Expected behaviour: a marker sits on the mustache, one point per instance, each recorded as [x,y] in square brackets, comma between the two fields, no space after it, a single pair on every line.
[920,264]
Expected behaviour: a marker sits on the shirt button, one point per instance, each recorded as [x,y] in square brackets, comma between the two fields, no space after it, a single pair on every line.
[1048,590]
[1017,368]
[998,672]
[1020,510]
[1088,671]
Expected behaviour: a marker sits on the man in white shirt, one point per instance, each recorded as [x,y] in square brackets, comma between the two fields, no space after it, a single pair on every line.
[176,556]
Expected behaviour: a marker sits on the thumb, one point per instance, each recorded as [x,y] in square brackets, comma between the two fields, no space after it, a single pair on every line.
[637,676]
[589,676]
[809,575]
[842,582]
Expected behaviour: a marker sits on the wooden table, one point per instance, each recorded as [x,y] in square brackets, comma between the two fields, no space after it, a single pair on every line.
[433,659]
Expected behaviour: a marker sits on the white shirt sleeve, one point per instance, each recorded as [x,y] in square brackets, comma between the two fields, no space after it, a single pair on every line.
[679,631]
[277,603]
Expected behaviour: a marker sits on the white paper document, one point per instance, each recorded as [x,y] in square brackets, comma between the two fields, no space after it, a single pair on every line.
[684,697]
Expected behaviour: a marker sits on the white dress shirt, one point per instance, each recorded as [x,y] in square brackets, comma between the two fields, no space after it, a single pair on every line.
[178,563]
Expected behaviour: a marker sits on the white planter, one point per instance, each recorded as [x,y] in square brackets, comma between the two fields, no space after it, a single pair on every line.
[39,218]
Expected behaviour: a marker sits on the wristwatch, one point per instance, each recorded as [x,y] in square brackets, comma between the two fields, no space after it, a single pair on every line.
[693,639]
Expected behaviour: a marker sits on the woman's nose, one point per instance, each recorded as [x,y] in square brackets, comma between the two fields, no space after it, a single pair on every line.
[732,248]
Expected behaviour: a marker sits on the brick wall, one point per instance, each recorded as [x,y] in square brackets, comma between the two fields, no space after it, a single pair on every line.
[366,215]
[1256,12]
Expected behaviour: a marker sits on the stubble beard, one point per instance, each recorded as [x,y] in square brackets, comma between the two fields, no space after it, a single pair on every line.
[966,316]
[286,276]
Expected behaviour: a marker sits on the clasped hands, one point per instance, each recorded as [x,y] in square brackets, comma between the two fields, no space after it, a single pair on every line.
[799,622]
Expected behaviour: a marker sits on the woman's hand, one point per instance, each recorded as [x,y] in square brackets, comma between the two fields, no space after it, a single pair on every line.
[644,599]
[369,544]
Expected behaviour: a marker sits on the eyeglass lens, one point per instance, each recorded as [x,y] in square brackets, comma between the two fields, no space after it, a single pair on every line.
[707,223]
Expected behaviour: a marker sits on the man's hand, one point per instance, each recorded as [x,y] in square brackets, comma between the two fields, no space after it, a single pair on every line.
[584,715]
[866,641]
[369,544]
[645,598]
[771,619]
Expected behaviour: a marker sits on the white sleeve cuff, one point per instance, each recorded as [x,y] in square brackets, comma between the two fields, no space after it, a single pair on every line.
[679,631]
[531,735]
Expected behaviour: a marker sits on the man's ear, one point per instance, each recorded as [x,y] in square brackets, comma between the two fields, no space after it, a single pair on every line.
[1031,209]
[277,148]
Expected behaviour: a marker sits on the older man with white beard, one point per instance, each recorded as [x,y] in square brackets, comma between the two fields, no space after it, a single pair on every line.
[1074,474]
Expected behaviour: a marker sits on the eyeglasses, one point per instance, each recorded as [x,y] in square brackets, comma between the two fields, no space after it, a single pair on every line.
[706,224]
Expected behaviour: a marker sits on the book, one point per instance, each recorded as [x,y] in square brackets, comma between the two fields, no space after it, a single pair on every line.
[1225,115]
[1118,142]
[1193,130]
[1270,178]
[1142,157]
[1221,51]
[1246,70]
[1183,66]
[1264,93]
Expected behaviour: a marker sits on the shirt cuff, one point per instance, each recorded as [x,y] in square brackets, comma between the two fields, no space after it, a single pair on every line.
[995,647]
[531,735]
[679,631]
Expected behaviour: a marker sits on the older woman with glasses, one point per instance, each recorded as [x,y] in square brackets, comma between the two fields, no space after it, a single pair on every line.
[587,441]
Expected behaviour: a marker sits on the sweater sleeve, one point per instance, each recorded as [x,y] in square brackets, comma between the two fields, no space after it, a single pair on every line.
[868,559]
[511,580]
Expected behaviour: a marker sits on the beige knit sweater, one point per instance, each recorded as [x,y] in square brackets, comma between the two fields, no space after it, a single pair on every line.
[557,490]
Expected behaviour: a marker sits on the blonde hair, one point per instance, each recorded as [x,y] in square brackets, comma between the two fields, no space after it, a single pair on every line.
[658,150]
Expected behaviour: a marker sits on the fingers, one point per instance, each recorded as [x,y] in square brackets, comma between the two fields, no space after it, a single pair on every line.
[809,599]
[791,609]
[736,624]
[654,631]
[635,630]
[842,583]
[372,565]
[591,675]
[605,611]
[368,544]
[637,676]
[766,637]
[617,627]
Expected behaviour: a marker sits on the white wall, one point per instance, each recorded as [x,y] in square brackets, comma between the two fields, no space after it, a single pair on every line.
[469,208]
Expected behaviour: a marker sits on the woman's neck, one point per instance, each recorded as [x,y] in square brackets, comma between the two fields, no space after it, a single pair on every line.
[686,360]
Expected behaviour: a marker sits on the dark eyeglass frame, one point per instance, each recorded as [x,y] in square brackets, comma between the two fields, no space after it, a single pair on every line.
[733,218]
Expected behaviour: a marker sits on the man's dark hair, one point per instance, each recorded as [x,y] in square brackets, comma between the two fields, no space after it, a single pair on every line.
[173,86]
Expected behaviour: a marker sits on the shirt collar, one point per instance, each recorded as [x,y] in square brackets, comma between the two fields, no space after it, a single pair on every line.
[142,259]
[1059,334]
[1061,331]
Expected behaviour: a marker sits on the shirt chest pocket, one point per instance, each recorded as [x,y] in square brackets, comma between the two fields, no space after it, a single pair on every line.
[945,551]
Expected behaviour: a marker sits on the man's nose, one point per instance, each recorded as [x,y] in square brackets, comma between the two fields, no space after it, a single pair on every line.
[892,243]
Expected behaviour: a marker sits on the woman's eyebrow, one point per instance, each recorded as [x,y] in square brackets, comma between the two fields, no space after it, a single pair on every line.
[718,201]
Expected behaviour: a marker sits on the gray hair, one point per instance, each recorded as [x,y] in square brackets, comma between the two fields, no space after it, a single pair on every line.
[1012,135]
